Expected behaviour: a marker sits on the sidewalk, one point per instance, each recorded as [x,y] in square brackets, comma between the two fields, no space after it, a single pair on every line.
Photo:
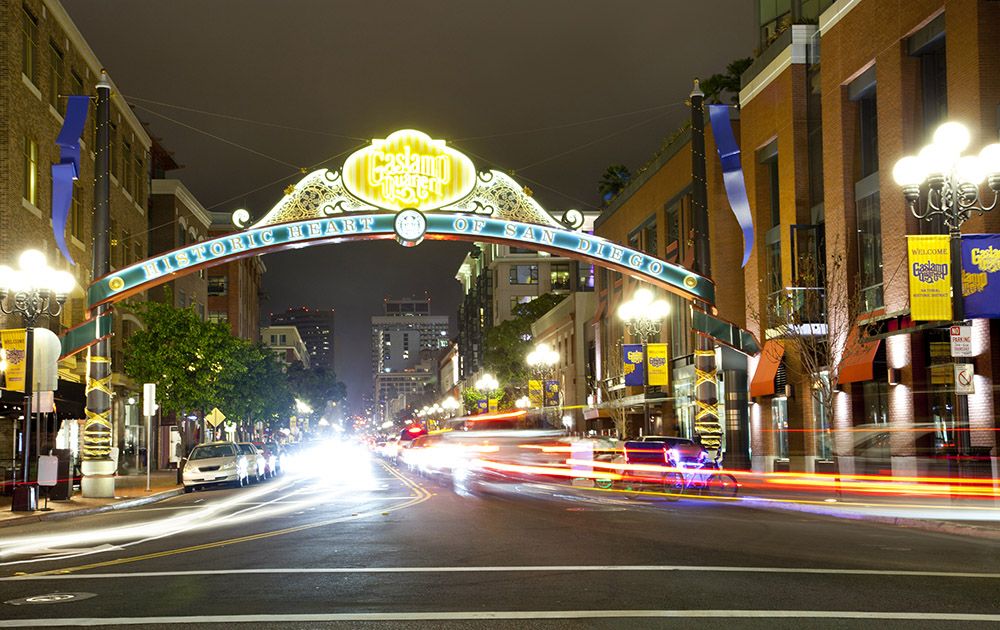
[130,491]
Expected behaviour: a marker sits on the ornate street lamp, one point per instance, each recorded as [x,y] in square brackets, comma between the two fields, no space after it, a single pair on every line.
[542,360]
[488,385]
[450,405]
[953,185]
[32,291]
[643,316]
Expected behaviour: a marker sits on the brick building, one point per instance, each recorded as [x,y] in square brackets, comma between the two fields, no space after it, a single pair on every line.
[832,102]
[45,58]
[234,288]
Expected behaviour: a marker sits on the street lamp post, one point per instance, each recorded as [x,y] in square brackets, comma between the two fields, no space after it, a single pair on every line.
[952,182]
[643,316]
[542,360]
[487,384]
[32,291]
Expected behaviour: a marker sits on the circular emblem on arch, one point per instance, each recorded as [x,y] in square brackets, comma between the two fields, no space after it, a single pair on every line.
[690,282]
[409,169]
[410,226]
[116,284]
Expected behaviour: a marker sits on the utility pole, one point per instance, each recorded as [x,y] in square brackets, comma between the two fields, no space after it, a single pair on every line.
[706,418]
[98,468]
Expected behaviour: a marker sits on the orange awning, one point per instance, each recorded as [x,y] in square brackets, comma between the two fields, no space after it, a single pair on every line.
[763,377]
[858,361]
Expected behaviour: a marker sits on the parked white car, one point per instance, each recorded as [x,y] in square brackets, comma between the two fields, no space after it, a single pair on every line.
[256,461]
[215,463]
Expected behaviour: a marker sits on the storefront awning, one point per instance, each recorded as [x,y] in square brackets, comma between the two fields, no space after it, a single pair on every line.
[762,383]
[858,362]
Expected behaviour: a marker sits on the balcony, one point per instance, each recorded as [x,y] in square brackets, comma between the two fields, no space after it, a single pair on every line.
[797,311]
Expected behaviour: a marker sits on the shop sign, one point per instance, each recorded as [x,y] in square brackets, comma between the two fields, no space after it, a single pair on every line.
[961,341]
[535,392]
[981,276]
[964,379]
[656,363]
[409,170]
[930,277]
[14,351]
[633,365]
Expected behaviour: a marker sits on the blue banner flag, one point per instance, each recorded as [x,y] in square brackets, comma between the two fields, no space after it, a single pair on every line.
[732,173]
[634,363]
[981,275]
[68,169]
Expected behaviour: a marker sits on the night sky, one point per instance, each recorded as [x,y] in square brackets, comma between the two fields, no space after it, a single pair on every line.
[554,90]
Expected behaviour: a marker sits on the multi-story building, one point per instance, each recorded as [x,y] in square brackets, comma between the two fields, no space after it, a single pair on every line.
[836,97]
[497,278]
[46,58]
[399,336]
[234,288]
[316,326]
[654,214]
[287,345]
[568,329]
[176,219]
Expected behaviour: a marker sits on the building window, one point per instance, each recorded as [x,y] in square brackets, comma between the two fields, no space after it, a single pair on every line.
[774,190]
[76,84]
[649,238]
[181,299]
[870,251]
[57,71]
[29,45]
[30,171]
[867,134]
[779,426]
[218,285]
[521,250]
[138,186]
[76,212]
[585,280]
[113,142]
[126,176]
[524,274]
[559,276]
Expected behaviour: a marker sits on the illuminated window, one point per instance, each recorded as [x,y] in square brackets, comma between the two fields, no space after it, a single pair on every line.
[30,171]
[29,45]
[218,285]
[559,276]
[57,71]
[523,274]
[76,213]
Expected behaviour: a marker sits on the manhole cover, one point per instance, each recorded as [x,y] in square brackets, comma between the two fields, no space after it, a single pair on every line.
[50,598]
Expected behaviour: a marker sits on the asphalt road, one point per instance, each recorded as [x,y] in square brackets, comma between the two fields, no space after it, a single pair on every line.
[369,547]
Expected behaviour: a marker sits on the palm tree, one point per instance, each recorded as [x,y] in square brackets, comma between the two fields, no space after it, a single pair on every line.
[614,180]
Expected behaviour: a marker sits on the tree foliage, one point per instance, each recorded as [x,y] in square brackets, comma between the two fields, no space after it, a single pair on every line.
[317,386]
[199,365]
[507,345]
[616,177]
[727,83]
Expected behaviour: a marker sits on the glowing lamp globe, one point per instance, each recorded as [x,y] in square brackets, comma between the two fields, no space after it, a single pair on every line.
[970,170]
[952,137]
[989,157]
[936,161]
[909,171]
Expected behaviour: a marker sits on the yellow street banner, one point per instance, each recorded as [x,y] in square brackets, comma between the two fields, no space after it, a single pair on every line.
[930,277]
[656,359]
[14,343]
[535,393]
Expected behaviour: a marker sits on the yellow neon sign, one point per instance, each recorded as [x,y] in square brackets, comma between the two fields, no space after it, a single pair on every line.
[409,169]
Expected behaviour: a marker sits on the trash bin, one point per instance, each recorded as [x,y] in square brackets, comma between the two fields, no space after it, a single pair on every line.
[63,489]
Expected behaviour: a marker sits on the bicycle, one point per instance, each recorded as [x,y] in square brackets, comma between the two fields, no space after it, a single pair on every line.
[704,476]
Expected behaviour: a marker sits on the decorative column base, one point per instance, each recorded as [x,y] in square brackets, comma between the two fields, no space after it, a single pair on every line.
[98,479]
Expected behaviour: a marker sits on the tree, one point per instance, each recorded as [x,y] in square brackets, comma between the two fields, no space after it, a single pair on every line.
[821,325]
[613,392]
[507,345]
[616,177]
[316,386]
[186,357]
[727,82]
[257,388]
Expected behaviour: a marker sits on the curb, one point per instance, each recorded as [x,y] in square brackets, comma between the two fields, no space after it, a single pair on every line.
[941,527]
[111,507]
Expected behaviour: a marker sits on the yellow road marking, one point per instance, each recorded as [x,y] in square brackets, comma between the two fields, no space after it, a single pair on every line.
[422,495]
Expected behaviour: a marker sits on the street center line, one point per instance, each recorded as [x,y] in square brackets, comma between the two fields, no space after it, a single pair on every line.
[508,569]
[504,614]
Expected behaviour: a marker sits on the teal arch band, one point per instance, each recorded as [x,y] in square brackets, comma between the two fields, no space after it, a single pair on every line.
[440,226]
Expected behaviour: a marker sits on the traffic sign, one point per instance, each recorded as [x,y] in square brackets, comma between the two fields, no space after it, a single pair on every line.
[215,418]
[961,341]
[964,383]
